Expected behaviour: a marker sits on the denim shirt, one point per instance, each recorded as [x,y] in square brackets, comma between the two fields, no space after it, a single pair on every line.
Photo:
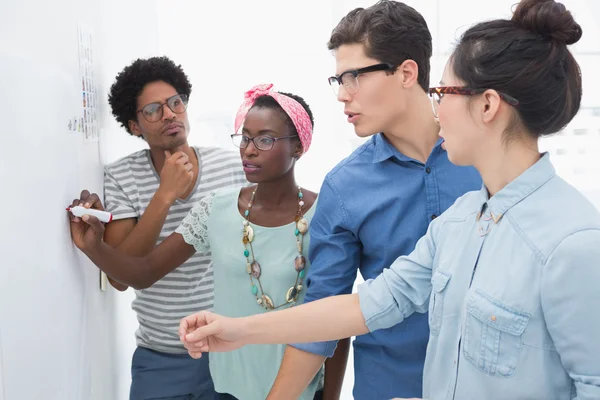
[374,207]
[511,284]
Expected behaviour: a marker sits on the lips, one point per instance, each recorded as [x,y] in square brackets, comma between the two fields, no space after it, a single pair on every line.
[250,167]
[352,116]
[171,129]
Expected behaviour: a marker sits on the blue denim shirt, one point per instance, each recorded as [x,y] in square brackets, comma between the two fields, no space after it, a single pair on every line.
[513,294]
[373,207]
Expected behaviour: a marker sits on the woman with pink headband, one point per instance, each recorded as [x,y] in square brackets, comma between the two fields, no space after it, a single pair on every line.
[258,237]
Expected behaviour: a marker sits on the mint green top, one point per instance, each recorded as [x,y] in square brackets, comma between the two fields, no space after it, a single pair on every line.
[215,225]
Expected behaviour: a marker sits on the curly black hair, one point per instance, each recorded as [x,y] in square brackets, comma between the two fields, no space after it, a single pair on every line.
[267,101]
[130,82]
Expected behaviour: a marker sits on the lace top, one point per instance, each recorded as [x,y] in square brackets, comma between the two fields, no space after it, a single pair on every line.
[194,227]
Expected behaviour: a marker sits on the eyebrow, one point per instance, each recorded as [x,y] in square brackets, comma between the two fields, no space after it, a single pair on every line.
[261,132]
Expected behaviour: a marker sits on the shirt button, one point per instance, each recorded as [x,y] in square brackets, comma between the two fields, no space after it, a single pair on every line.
[433,217]
[428,170]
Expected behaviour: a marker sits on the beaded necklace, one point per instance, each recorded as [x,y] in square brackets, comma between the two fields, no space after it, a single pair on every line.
[253,267]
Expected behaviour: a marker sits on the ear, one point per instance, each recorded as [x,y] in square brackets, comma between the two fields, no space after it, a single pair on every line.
[298,150]
[490,105]
[134,127]
[409,73]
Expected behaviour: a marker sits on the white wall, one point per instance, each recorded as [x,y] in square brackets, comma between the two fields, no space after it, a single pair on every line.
[57,337]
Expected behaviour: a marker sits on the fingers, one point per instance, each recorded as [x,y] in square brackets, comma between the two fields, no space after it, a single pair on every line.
[93,201]
[94,223]
[176,156]
[190,323]
[84,195]
[183,159]
[183,327]
[187,165]
[198,346]
[180,158]
[197,351]
[203,332]
[195,355]
[86,200]
[74,203]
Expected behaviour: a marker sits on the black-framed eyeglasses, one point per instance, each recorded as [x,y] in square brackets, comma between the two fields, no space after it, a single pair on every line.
[438,92]
[153,112]
[349,79]
[261,142]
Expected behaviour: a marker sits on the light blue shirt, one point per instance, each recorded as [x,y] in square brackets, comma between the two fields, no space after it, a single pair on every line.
[513,296]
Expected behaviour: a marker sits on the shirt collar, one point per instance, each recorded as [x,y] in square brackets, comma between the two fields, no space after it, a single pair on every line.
[527,183]
[384,150]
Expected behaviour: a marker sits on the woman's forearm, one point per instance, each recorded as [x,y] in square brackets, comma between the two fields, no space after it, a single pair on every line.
[331,318]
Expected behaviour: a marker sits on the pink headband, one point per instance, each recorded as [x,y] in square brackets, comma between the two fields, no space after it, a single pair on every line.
[293,109]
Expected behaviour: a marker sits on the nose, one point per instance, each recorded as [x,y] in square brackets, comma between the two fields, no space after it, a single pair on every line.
[251,149]
[343,96]
[167,113]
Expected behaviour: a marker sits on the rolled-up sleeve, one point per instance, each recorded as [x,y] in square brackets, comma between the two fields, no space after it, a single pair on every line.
[402,289]
[570,302]
[334,254]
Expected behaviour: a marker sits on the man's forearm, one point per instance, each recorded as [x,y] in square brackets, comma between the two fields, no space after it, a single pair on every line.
[141,272]
[323,320]
[144,235]
[121,267]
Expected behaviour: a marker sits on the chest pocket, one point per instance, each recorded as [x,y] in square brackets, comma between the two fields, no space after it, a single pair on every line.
[493,335]
[439,281]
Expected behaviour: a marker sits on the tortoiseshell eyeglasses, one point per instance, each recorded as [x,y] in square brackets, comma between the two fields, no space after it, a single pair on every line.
[437,93]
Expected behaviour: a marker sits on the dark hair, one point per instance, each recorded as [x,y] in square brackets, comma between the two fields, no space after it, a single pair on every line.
[391,32]
[267,101]
[130,83]
[527,58]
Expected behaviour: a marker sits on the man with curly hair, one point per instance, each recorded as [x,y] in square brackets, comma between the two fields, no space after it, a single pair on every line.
[149,193]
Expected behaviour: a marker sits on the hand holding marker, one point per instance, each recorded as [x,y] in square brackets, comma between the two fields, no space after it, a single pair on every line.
[88,204]
[80,211]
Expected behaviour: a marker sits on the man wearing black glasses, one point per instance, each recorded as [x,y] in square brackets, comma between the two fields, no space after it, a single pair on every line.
[376,204]
[149,193]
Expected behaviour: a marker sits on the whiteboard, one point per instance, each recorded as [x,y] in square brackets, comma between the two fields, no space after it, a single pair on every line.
[1,376]
[57,339]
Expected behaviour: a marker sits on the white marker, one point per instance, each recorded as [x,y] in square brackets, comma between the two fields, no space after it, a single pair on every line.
[80,211]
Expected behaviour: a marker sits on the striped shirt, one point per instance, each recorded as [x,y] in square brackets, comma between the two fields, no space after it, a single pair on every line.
[129,185]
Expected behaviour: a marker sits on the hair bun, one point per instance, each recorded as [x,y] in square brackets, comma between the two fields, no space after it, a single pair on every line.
[548,18]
